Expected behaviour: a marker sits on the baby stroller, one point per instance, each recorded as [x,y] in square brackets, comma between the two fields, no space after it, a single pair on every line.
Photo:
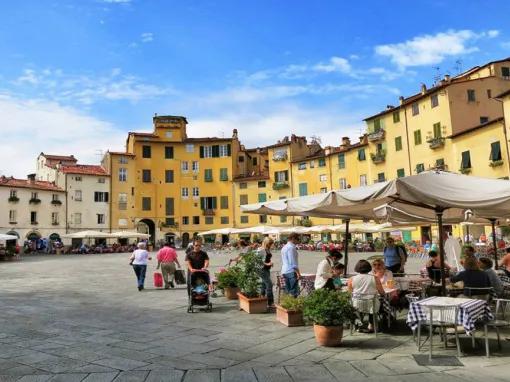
[198,291]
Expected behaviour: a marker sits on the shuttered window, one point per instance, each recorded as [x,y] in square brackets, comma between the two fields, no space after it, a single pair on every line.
[169,206]
[466,160]
[303,189]
[437,130]
[495,151]
[208,176]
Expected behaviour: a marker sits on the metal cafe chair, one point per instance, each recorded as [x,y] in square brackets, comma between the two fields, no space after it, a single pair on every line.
[441,316]
[479,293]
[366,304]
[501,320]
[411,297]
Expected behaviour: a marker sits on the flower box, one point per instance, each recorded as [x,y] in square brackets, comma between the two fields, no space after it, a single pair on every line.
[34,201]
[13,199]
[252,305]
[289,317]
[496,163]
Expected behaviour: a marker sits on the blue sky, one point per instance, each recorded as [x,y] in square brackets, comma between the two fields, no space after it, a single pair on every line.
[76,76]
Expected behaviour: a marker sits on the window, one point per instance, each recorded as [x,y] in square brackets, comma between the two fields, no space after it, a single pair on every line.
[224,220]
[77,195]
[184,192]
[54,197]
[254,161]
[323,178]
[207,151]
[420,167]
[417,137]
[434,100]
[437,130]
[440,163]
[489,93]
[224,150]
[262,198]
[471,95]
[169,206]
[303,189]
[223,174]
[190,148]
[169,152]
[208,177]
[195,192]
[484,120]
[168,134]
[35,195]
[262,219]
[401,173]
[77,218]
[341,160]
[243,199]
[505,71]
[312,164]
[241,159]
[185,220]
[195,166]
[101,180]
[302,166]
[100,196]
[244,219]
[396,117]
[12,216]
[243,185]
[184,166]
[33,217]
[196,219]
[466,160]
[100,219]
[146,176]
[122,174]
[77,178]
[224,202]
[13,194]
[377,125]
[495,152]
[146,204]
[323,190]
[283,219]
[261,184]
[362,180]
[361,155]
[415,108]
[54,218]
[170,221]
[343,183]
[380,177]
[123,160]
[169,176]
[281,176]
[146,151]
[122,201]
[398,143]
[322,162]
[208,203]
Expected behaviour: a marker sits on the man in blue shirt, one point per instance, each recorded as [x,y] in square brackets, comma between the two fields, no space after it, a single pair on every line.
[290,268]
[394,257]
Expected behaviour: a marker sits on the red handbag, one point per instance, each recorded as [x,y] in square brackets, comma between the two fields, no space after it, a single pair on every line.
[158,280]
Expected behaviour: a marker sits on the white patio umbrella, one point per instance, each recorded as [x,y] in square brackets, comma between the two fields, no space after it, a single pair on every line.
[295,229]
[4,237]
[319,229]
[88,235]
[219,231]
[130,234]
[260,229]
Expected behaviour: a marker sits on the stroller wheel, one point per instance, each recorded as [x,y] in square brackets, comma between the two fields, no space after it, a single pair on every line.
[209,308]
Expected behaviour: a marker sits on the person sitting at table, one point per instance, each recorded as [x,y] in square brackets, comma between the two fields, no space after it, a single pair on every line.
[380,271]
[324,276]
[364,286]
[472,277]
[504,263]
[338,271]
[486,266]
[434,267]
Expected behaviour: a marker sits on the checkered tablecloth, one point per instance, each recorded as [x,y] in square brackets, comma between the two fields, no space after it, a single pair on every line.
[470,311]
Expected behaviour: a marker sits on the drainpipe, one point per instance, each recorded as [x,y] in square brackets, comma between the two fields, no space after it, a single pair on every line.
[506,135]
[67,203]
[330,178]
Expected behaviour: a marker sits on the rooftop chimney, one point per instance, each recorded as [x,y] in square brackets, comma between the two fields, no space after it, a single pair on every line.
[327,150]
[423,88]
[388,107]
[234,134]
[346,142]
[31,178]
[447,78]
[401,99]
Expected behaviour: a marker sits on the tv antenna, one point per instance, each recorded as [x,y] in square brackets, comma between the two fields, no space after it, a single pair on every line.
[437,76]
[316,139]
[458,66]
[100,154]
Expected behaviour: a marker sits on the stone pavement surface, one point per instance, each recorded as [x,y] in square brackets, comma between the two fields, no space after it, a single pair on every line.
[81,318]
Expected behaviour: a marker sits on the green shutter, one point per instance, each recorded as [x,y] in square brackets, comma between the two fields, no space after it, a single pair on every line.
[361,155]
[303,189]
[201,151]
[466,160]
[341,160]
[223,174]
[214,202]
[398,143]
[495,151]
[216,151]
[262,198]
[401,173]
[208,176]
[169,206]
[224,202]
[437,130]
[396,116]
[322,162]
[202,203]
[229,149]
[417,137]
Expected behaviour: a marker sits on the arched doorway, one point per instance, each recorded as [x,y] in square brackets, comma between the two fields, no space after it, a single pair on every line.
[33,235]
[185,240]
[54,236]
[170,238]
[147,226]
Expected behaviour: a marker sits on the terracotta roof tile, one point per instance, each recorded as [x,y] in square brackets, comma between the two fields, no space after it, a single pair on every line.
[24,183]
[84,169]
[120,153]
[60,157]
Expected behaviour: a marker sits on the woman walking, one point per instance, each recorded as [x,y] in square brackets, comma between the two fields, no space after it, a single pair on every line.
[267,283]
[139,260]
[167,258]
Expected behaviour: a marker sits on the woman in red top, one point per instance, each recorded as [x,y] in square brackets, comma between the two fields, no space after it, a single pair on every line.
[167,258]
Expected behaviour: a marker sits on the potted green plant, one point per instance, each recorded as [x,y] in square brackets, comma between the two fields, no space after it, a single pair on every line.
[290,310]
[228,280]
[250,299]
[328,310]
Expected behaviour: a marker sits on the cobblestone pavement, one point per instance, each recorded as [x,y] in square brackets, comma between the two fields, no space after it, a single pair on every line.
[81,318]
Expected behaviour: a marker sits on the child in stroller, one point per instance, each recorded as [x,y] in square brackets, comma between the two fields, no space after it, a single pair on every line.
[198,290]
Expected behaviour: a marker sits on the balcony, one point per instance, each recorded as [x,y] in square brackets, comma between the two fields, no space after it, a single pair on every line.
[13,222]
[34,201]
[304,222]
[208,212]
[280,185]
[34,223]
[380,180]
[122,206]
[436,143]
[496,163]
[55,223]
[378,157]
[13,199]
[376,135]
[56,202]
[465,170]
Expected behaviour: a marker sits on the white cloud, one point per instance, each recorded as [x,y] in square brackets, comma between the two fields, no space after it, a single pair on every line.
[147,37]
[335,64]
[117,1]
[30,126]
[433,49]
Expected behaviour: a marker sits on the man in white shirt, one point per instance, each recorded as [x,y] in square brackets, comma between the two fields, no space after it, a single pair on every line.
[290,267]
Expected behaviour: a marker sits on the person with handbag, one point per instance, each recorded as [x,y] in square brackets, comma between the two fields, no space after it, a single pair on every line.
[167,259]
[139,260]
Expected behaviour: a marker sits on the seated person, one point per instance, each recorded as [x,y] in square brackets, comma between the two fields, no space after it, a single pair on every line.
[472,277]
[200,286]
[504,263]
[380,271]
[338,270]
[486,266]
[434,267]
[244,249]
[324,276]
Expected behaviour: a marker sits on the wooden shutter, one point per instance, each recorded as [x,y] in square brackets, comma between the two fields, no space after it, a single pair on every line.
[201,151]
[202,203]
[495,151]
[229,149]
[215,151]
[214,202]
[169,206]
[466,160]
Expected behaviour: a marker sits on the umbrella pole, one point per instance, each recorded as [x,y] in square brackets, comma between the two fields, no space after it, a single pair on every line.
[346,246]
[493,224]
[468,241]
[439,215]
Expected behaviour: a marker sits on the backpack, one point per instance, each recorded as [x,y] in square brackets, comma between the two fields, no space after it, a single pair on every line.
[401,247]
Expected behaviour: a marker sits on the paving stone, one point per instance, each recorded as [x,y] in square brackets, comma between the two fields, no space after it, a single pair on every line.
[202,376]
[101,377]
[165,376]
[233,355]
[120,363]
[354,355]
[34,357]
[68,377]
[8,378]
[316,373]
[35,378]
[371,368]
[22,370]
[131,376]
[93,368]
[61,365]
[131,345]
[404,365]
[343,370]
[238,375]
[210,360]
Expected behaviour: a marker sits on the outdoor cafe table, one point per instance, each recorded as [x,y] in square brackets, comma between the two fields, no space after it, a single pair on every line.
[470,311]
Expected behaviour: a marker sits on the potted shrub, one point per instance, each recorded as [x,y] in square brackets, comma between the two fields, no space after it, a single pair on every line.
[328,310]
[250,299]
[228,280]
[290,310]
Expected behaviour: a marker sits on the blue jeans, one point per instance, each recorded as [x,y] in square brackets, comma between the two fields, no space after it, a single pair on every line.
[140,271]
[266,288]
[291,284]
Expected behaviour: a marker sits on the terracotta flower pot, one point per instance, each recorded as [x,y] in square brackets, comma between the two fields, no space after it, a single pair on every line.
[328,335]
[289,317]
[231,293]
[252,305]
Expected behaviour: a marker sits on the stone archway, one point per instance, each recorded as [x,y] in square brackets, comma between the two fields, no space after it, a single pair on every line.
[185,239]
[147,226]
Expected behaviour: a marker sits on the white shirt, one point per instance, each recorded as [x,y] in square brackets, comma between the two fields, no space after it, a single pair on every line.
[140,257]
[324,272]
[289,258]
[388,275]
